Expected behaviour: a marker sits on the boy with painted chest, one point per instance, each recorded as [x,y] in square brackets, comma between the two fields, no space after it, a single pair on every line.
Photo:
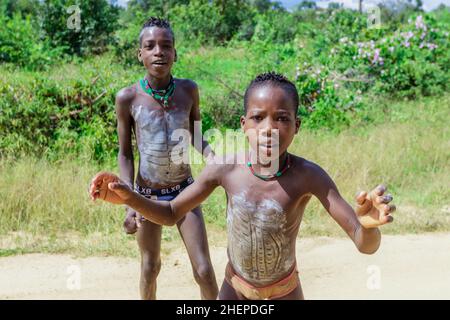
[154,109]
[266,198]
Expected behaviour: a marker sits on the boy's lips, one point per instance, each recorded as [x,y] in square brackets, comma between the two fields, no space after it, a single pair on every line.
[159,63]
[268,149]
[268,144]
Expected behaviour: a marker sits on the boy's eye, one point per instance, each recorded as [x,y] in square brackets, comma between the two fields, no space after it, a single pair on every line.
[256,118]
[282,119]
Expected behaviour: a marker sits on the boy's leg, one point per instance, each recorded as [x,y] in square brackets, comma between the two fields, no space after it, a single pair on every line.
[193,232]
[149,239]
[227,292]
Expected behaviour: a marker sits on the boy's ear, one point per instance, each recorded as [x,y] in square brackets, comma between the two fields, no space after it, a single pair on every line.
[139,54]
[242,120]
[298,123]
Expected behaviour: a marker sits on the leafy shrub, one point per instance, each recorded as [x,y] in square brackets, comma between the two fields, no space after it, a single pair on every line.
[202,21]
[275,27]
[67,109]
[336,61]
[20,43]
[323,102]
[409,62]
[127,43]
[98,21]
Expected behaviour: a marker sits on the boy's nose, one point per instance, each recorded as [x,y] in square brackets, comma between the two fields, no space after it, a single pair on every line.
[267,128]
[269,133]
[266,132]
[158,51]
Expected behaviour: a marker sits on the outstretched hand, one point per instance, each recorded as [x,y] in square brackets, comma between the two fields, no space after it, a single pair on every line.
[374,209]
[108,187]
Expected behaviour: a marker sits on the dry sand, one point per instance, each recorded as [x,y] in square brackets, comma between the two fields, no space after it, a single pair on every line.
[405,267]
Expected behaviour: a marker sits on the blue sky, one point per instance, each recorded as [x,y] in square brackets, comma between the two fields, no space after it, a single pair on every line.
[427,4]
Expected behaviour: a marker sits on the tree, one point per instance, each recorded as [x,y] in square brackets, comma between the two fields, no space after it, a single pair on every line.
[162,6]
[210,21]
[441,7]
[266,5]
[419,4]
[24,7]
[335,5]
[305,4]
[97,22]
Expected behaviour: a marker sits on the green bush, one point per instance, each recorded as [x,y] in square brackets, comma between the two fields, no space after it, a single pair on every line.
[336,62]
[38,40]
[127,43]
[21,44]
[275,27]
[98,21]
[409,62]
[23,7]
[202,21]
[324,104]
[66,110]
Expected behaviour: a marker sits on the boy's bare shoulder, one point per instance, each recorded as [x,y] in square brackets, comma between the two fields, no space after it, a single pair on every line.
[188,84]
[221,167]
[126,95]
[306,167]
[318,179]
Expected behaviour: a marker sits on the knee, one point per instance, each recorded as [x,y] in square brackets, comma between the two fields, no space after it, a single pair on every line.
[150,268]
[204,274]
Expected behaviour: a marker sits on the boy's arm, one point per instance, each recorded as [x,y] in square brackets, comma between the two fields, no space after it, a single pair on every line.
[124,129]
[170,212]
[108,187]
[200,145]
[373,210]
[125,157]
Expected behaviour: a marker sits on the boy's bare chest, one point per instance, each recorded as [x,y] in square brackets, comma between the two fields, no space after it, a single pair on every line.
[257,192]
[180,101]
[150,116]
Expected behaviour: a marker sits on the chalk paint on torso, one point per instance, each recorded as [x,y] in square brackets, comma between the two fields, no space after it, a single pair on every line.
[162,154]
[259,248]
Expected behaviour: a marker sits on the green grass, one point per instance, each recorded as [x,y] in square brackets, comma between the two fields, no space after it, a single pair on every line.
[45,207]
[407,149]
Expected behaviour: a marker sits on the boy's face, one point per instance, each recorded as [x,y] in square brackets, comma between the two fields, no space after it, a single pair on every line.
[157,51]
[271,122]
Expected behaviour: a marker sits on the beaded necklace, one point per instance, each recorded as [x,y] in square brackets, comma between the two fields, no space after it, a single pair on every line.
[164,96]
[287,165]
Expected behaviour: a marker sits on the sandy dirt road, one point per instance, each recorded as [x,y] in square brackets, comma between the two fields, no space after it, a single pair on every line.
[405,267]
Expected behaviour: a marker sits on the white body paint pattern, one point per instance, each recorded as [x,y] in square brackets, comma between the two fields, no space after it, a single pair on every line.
[259,249]
[161,159]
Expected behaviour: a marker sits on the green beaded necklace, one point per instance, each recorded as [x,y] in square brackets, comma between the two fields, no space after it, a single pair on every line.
[287,165]
[164,96]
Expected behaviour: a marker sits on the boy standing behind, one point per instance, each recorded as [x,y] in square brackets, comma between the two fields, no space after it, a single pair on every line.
[153,109]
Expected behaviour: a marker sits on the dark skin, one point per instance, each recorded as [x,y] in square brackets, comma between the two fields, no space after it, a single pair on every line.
[269,108]
[158,54]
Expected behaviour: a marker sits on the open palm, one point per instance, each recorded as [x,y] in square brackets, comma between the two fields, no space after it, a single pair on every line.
[374,209]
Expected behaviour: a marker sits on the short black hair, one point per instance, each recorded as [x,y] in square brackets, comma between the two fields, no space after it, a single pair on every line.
[275,79]
[156,22]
